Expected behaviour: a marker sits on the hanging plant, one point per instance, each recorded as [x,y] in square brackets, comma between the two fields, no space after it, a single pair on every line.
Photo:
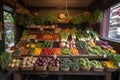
[41,19]
[78,19]
[29,19]
[52,18]
[97,16]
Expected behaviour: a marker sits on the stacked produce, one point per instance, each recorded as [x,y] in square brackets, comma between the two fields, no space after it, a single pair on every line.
[64,36]
[74,52]
[65,64]
[54,64]
[47,37]
[65,51]
[56,37]
[57,51]
[37,51]
[32,37]
[28,63]
[75,65]
[41,63]
[109,64]
[14,64]
[82,47]
[115,58]
[47,51]
[85,64]
[104,45]
[25,52]
[39,37]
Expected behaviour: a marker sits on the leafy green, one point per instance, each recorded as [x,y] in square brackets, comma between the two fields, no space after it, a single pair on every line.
[5,59]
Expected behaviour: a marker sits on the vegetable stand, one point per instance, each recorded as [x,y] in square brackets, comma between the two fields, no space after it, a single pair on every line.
[17,74]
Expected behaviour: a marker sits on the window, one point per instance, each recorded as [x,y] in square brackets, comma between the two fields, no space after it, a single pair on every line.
[114,22]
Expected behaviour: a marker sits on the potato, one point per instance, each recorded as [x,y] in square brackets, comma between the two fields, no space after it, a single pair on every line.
[17,64]
[13,60]
[12,65]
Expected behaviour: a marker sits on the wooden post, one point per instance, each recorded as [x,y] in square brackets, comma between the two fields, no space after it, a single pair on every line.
[17,76]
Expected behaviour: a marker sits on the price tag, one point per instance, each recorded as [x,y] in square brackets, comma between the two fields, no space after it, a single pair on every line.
[105,56]
[54,56]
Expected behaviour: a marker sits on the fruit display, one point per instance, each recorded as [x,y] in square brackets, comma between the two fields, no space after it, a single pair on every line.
[41,63]
[109,64]
[32,37]
[39,37]
[115,58]
[74,52]
[54,64]
[28,63]
[37,51]
[75,65]
[25,52]
[65,64]
[47,52]
[57,51]
[96,64]
[64,35]
[47,37]
[104,45]
[85,64]
[56,37]
[15,63]
[65,51]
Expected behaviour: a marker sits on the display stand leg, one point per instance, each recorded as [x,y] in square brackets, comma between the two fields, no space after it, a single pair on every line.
[119,75]
[108,76]
[60,77]
[17,76]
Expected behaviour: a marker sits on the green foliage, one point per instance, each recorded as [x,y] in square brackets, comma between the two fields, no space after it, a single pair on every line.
[41,19]
[78,19]
[5,59]
[29,19]
[52,18]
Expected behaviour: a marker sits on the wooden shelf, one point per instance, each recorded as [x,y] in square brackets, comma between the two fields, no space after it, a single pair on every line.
[89,57]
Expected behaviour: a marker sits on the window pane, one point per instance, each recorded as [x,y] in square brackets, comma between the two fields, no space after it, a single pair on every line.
[114,22]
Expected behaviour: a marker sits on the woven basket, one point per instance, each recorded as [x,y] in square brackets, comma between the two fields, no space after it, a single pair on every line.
[98,69]
[75,69]
[111,69]
[85,68]
[41,68]
[64,69]
[53,68]
[27,68]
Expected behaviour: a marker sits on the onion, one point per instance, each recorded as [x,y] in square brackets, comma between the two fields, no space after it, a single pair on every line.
[62,44]
[67,45]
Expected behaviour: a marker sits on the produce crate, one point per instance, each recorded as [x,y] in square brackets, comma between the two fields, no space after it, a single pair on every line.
[27,68]
[53,68]
[12,69]
[98,69]
[85,68]
[111,69]
[64,69]
[75,69]
[41,68]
